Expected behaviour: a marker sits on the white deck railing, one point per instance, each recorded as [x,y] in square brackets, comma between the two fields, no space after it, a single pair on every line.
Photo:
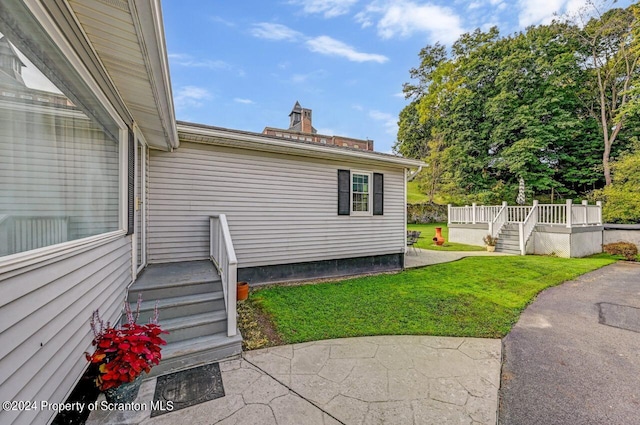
[549,214]
[224,258]
[527,217]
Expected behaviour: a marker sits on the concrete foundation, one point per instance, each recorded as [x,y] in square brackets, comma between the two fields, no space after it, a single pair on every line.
[545,240]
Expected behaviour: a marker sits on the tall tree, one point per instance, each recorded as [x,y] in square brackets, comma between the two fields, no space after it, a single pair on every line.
[614,65]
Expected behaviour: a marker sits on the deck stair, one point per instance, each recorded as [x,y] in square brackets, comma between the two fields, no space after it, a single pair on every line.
[509,239]
[191,307]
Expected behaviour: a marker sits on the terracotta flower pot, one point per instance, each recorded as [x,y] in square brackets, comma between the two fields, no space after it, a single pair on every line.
[438,239]
[243,291]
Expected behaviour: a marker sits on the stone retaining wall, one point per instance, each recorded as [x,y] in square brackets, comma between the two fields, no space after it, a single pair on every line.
[426,213]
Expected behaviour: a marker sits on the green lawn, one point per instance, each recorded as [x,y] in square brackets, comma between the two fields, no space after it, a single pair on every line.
[414,196]
[429,231]
[473,297]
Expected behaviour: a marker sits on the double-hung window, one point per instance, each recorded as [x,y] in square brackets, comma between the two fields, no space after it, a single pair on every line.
[360,193]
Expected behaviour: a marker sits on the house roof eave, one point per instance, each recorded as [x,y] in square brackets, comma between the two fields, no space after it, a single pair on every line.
[200,133]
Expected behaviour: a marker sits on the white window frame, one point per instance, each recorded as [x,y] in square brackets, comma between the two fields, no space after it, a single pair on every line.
[22,259]
[369,211]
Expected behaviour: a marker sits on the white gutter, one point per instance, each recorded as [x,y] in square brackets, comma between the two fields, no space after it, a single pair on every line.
[257,141]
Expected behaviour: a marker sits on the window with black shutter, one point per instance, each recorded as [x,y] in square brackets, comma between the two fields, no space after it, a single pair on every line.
[360,193]
[378,194]
[344,192]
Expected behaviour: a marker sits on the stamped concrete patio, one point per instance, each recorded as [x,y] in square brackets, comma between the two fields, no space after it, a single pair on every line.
[367,380]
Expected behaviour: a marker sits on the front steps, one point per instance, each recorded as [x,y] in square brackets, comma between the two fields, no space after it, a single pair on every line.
[191,307]
[509,239]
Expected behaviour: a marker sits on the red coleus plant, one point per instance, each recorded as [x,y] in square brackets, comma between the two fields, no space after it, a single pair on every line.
[123,353]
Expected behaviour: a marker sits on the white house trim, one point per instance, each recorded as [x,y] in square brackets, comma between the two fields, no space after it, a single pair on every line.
[256,141]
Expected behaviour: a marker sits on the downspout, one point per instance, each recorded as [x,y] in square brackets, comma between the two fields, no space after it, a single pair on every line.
[413,175]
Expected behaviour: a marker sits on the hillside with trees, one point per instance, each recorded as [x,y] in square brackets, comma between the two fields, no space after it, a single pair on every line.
[555,105]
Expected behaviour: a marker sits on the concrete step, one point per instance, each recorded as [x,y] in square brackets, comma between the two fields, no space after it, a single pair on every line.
[167,290]
[171,308]
[170,280]
[507,245]
[194,326]
[508,251]
[206,349]
[508,238]
[510,232]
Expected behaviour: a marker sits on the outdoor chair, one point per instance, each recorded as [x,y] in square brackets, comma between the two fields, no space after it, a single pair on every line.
[412,239]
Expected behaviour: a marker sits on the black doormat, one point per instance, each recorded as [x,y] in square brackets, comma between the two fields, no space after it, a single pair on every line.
[187,388]
[620,316]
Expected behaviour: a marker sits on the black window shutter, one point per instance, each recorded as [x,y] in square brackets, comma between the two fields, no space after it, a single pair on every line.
[344,192]
[131,163]
[378,194]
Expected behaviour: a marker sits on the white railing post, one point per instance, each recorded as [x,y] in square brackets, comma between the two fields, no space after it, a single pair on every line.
[224,257]
[491,228]
[599,204]
[584,210]
[535,207]
[569,212]
[521,237]
[473,213]
[448,213]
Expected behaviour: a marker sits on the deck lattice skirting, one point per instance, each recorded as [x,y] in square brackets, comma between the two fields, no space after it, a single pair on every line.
[567,230]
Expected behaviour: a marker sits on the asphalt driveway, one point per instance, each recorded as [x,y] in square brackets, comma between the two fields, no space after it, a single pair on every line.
[574,355]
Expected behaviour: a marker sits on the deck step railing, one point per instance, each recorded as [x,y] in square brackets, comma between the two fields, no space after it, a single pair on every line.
[224,258]
[525,229]
[549,214]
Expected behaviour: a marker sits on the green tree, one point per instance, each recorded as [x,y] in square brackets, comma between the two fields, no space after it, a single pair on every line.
[613,64]
[622,198]
[413,134]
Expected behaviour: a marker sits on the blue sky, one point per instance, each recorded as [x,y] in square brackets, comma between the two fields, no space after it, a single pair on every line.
[243,64]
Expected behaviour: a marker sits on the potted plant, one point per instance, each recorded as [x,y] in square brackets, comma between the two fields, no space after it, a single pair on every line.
[490,242]
[124,353]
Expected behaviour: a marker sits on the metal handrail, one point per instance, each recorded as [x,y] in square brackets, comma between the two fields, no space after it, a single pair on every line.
[224,259]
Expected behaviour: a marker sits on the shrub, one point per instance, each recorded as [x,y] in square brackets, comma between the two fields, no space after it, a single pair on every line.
[626,249]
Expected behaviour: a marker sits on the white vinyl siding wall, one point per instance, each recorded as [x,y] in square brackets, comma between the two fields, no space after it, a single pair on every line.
[281,209]
[44,331]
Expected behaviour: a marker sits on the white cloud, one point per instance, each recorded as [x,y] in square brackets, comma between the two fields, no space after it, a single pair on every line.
[329,8]
[323,44]
[326,45]
[190,62]
[357,107]
[190,96]
[537,11]
[303,78]
[222,21]
[405,18]
[390,122]
[533,12]
[244,101]
[271,31]
[326,131]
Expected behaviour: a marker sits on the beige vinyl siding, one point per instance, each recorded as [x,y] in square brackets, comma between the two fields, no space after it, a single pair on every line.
[44,331]
[280,208]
